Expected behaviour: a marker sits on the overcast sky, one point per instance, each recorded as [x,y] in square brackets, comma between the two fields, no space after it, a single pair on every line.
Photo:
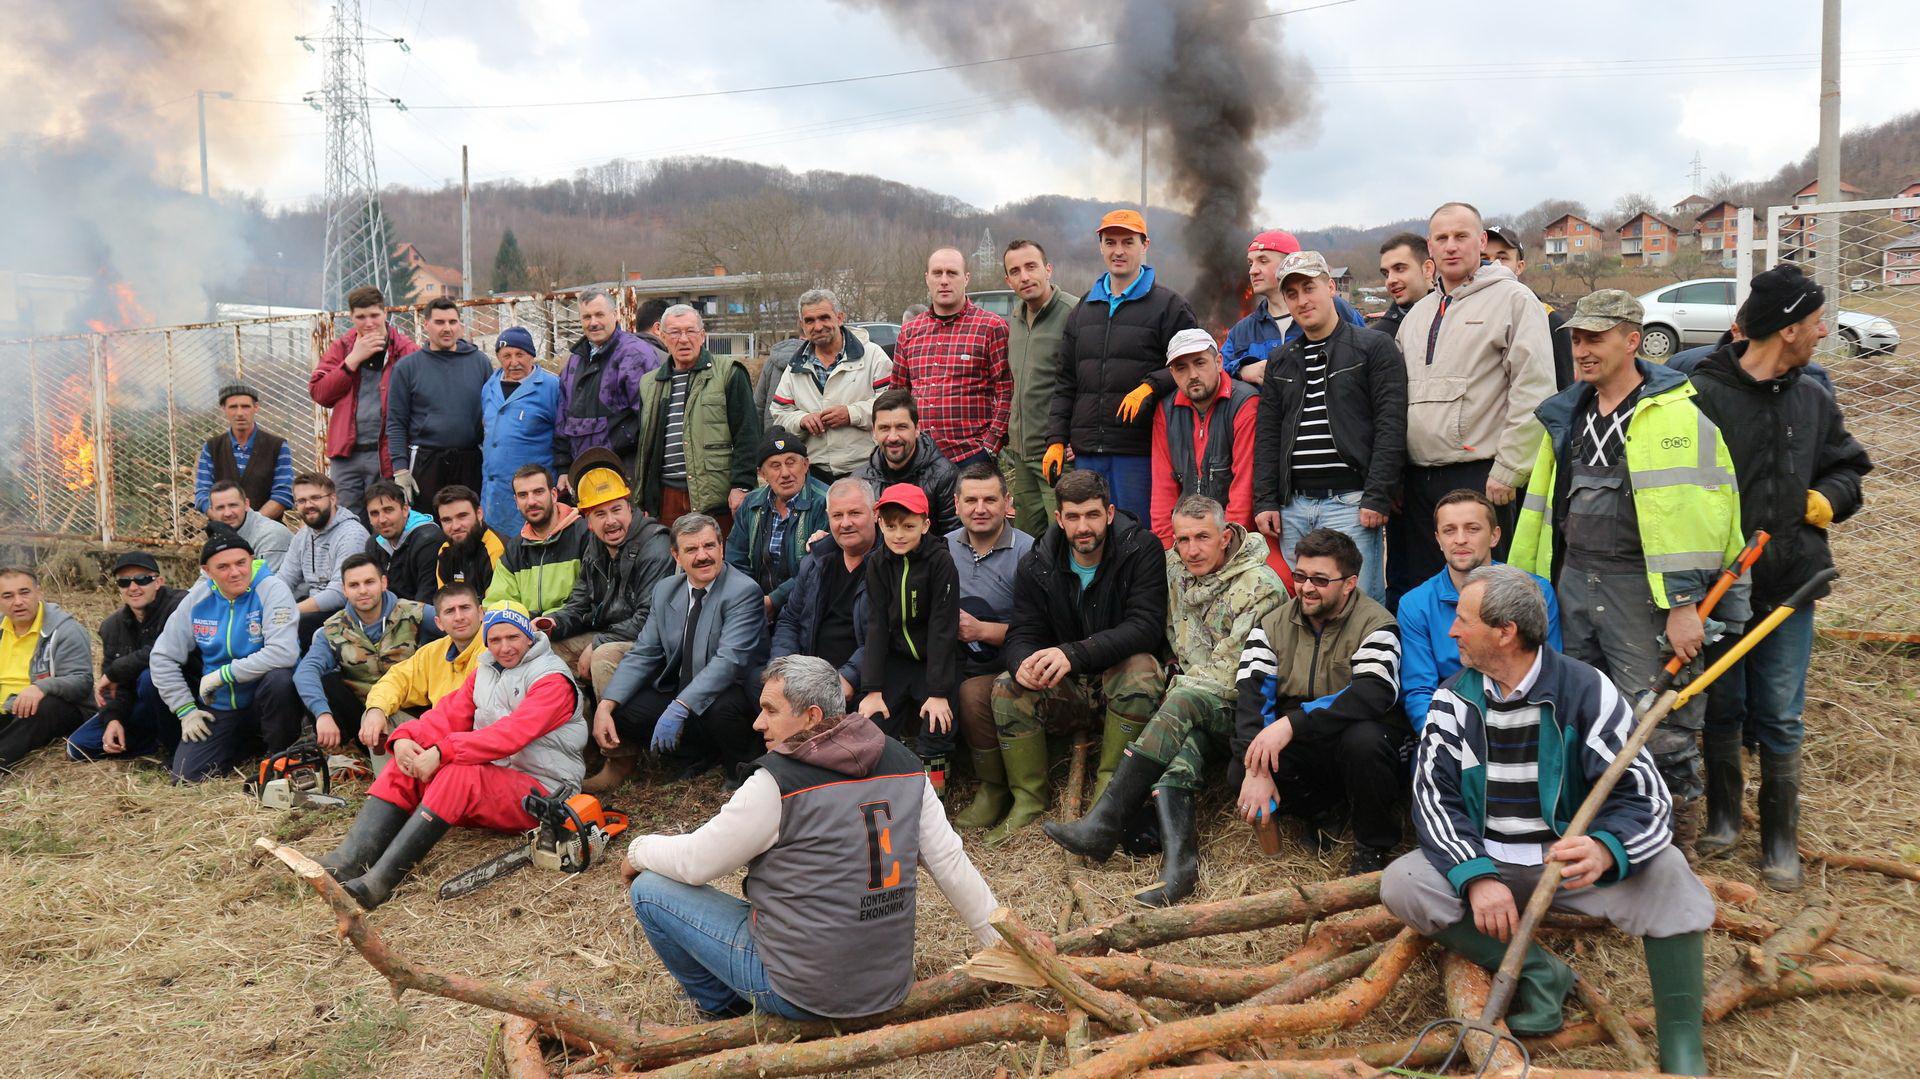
[1500,103]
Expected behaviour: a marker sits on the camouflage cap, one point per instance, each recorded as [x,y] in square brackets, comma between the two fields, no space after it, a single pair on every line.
[1306,263]
[1600,311]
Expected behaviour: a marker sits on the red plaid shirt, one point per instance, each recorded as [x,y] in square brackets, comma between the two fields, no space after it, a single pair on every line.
[956,368]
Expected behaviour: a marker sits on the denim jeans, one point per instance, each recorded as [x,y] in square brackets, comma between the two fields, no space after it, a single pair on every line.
[702,938]
[150,727]
[1764,694]
[1129,480]
[1341,513]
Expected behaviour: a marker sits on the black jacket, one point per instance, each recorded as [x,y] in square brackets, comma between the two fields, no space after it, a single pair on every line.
[412,569]
[798,624]
[1122,613]
[1388,321]
[612,595]
[1562,349]
[913,612]
[1103,357]
[1787,437]
[1366,412]
[125,641]
[927,470]
[473,565]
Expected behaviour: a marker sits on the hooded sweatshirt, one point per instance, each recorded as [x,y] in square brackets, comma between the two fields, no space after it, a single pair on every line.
[410,562]
[268,538]
[434,401]
[311,568]
[913,605]
[1479,361]
[62,663]
[795,867]
[538,573]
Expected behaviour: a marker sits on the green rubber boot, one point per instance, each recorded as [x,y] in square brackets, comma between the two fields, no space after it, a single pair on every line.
[1023,761]
[1114,738]
[1677,968]
[991,801]
[1545,980]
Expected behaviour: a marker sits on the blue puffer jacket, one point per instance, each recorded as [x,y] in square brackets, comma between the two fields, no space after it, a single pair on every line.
[1257,336]
[518,431]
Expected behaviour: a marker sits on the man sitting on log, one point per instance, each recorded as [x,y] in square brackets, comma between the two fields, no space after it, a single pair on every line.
[833,826]
[434,670]
[1220,589]
[516,726]
[1509,748]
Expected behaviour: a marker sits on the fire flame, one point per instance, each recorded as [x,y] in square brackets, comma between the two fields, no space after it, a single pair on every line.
[72,444]
[128,311]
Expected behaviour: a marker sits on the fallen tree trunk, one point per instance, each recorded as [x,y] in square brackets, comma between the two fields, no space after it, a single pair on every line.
[1146,928]
[1116,1010]
[1124,1056]
[898,1041]
[1467,985]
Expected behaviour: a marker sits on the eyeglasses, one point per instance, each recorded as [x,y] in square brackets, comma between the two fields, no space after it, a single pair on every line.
[1321,582]
[141,581]
[681,333]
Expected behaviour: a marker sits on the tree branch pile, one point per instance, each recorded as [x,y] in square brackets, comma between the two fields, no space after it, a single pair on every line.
[1109,1010]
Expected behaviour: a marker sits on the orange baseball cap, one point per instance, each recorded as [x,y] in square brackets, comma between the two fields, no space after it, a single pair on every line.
[1123,219]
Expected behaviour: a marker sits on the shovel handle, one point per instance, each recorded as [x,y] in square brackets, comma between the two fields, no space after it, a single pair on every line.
[1508,977]
[1741,563]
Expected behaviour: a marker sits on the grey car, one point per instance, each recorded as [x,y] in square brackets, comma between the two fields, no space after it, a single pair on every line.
[1697,312]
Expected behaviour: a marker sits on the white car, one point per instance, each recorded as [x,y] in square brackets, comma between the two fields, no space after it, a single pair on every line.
[1697,312]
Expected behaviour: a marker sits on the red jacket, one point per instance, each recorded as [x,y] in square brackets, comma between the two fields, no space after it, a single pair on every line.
[334,387]
[1166,490]
[546,708]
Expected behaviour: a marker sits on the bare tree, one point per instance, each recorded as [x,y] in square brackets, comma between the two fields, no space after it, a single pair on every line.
[1627,206]
[1589,269]
[1686,261]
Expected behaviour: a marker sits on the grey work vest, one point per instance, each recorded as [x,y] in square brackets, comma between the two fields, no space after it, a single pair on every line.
[1214,476]
[833,900]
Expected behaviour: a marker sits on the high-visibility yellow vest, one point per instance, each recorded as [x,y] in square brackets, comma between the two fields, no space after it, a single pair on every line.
[1684,492]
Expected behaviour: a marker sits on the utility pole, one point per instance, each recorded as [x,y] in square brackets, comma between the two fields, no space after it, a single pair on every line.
[201,96]
[466,230]
[358,247]
[1827,262]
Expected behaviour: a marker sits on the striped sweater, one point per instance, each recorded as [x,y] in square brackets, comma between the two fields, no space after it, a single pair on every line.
[1322,681]
[1583,722]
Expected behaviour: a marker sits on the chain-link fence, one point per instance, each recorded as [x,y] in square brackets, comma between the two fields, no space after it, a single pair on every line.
[1867,256]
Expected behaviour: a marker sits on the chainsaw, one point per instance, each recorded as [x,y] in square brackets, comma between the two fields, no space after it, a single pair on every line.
[297,777]
[572,831]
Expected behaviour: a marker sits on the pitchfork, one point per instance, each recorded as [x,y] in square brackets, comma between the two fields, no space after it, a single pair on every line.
[1667,699]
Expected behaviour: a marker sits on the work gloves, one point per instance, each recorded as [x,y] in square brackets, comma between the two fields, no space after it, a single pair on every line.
[404,477]
[1054,463]
[196,725]
[1819,510]
[666,730]
[1131,404]
[214,679]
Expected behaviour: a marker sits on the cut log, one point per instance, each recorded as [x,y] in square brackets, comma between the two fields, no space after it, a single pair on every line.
[1169,1040]
[1317,980]
[1731,893]
[1803,934]
[1467,986]
[1117,1011]
[899,1041]
[520,1049]
[1616,1025]
[1887,867]
[1139,929]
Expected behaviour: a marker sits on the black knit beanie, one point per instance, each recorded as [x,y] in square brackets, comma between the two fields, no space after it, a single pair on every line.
[1777,299]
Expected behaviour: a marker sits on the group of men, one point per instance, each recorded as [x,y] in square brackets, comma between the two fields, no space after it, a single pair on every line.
[1279,558]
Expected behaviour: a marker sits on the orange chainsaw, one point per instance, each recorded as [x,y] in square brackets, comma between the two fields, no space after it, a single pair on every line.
[573,830]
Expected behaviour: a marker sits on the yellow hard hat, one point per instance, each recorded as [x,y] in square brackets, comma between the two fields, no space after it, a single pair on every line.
[597,478]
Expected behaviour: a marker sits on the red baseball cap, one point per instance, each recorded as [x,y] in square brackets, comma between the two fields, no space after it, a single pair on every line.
[905,495]
[1275,240]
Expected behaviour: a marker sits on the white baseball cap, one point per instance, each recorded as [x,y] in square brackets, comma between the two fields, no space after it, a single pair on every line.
[1187,342]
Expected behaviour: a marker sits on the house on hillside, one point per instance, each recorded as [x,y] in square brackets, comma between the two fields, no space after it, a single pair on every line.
[1570,237]
[430,281]
[1798,233]
[1646,240]
[1900,262]
[1907,213]
[1343,282]
[1691,207]
[1718,227]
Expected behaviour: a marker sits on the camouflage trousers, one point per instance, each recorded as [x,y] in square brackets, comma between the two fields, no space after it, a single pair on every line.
[1191,732]
[1126,692]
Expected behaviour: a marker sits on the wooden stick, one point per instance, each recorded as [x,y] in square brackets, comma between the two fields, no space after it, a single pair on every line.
[1136,1051]
[1615,1024]
[1888,867]
[520,1049]
[1317,980]
[899,1041]
[1116,1011]
[1732,893]
[1078,1037]
[1134,930]
[403,974]
[1466,985]
[1070,810]
[1802,934]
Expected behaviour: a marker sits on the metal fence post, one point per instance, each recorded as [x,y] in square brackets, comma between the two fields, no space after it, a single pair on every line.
[102,459]
[173,450]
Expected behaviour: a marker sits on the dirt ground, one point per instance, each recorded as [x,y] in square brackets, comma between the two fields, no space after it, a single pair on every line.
[139,937]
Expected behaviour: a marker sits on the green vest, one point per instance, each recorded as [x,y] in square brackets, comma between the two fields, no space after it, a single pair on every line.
[1684,493]
[709,437]
[362,660]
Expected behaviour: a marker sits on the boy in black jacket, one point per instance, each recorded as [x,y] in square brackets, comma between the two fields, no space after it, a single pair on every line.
[913,606]
[132,721]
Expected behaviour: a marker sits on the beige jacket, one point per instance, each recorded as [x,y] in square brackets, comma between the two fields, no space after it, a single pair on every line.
[1491,366]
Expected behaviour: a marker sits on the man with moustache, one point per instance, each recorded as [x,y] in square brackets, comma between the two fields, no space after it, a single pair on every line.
[825,391]
[953,359]
[686,679]
[1033,347]
[628,554]
[311,566]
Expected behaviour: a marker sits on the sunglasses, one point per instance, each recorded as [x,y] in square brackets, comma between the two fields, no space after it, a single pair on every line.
[1320,582]
[141,581]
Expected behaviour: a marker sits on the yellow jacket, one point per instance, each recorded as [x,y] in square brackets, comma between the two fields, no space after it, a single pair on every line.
[420,680]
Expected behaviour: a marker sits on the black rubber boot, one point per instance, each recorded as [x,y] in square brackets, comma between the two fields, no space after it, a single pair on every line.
[1780,821]
[377,823]
[376,885]
[1676,966]
[1095,835]
[1725,785]
[1180,849]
